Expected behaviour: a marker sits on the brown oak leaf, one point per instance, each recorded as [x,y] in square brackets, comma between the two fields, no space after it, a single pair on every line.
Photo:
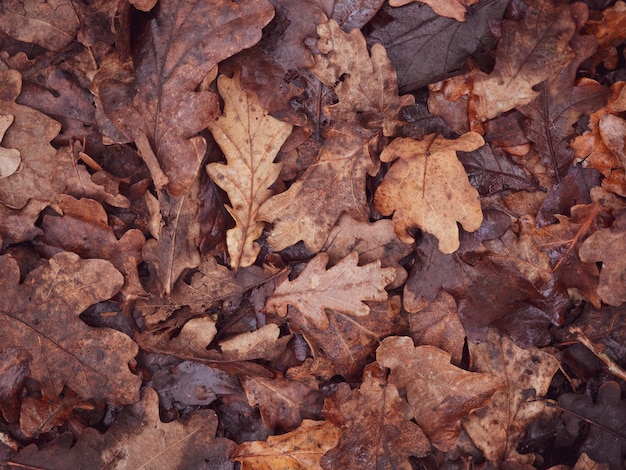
[250,139]
[40,316]
[159,107]
[439,394]
[450,8]
[497,428]
[300,449]
[428,188]
[377,429]
[9,158]
[343,287]
[529,52]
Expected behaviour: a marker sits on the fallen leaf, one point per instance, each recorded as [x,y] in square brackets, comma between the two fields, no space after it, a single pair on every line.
[9,158]
[371,241]
[529,52]
[160,109]
[333,185]
[52,25]
[354,14]
[343,287]
[425,47]
[377,429]
[250,139]
[13,373]
[365,85]
[19,225]
[497,428]
[439,394]
[450,8]
[40,317]
[300,449]
[609,31]
[428,188]
[611,287]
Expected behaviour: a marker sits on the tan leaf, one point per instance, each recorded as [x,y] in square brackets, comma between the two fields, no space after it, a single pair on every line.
[377,426]
[611,288]
[428,188]
[52,24]
[300,449]
[497,428]
[449,8]
[9,158]
[343,287]
[333,185]
[41,316]
[529,52]
[371,241]
[250,139]
[439,393]
[366,86]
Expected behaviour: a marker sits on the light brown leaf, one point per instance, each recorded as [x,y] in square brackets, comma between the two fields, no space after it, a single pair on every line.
[51,25]
[439,393]
[343,287]
[366,86]
[250,139]
[378,431]
[9,158]
[428,188]
[449,8]
[497,428]
[40,316]
[300,449]
[333,185]
[529,52]
[371,241]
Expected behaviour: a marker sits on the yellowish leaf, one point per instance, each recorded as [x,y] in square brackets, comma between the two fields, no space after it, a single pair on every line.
[250,139]
[428,188]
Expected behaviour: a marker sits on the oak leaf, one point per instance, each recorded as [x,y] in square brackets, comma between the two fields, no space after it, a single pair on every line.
[427,188]
[366,86]
[40,316]
[450,8]
[497,428]
[439,393]
[529,52]
[334,184]
[377,428]
[9,158]
[159,107]
[250,138]
[344,287]
[611,287]
[300,449]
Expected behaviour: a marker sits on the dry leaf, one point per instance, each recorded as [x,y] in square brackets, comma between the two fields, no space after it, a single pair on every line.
[366,86]
[377,427]
[439,393]
[529,52]
[343,287]
[450,8]
[497,428]
[9,158]
[250,139]
[64,350]
[428,188]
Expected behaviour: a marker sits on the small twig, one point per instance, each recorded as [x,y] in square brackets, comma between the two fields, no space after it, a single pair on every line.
[614,368]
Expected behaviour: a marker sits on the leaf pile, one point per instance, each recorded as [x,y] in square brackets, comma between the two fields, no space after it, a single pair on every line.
[312,234]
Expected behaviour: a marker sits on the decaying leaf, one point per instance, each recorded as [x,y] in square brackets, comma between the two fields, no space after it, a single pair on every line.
[250,139]
[451,8]
[611,287]
[377,427]
[343,287]
[428,188]
[160,108]
[40,316]
[439,394]
[366,86]
[300,449]
[529,52]
[497,428]
[9,158]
